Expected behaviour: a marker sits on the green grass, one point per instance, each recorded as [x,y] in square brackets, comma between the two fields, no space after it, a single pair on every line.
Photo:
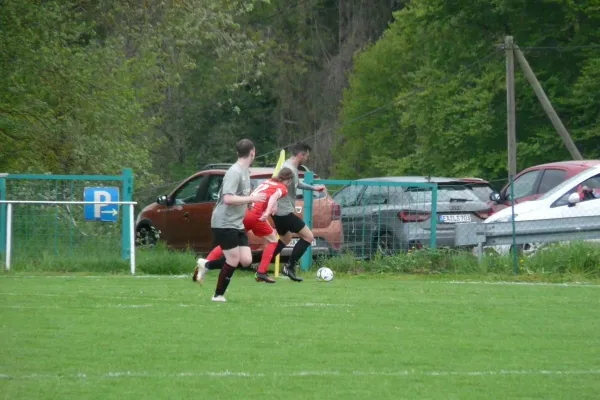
[375,336]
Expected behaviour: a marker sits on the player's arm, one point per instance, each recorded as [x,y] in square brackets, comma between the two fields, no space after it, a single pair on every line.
[271,204]
[315,188]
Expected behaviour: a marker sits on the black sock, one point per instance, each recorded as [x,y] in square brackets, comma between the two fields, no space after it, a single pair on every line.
[278,249]
[224,279]
[216,264]
[297,252]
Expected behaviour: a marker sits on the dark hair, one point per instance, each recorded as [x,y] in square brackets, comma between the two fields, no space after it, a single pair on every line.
[244,147]
[284,175]
[299,148]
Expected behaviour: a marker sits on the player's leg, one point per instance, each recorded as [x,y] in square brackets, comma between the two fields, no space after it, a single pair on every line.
[297,226]
[264,230]
[214,260]
[228,239]
[285,236]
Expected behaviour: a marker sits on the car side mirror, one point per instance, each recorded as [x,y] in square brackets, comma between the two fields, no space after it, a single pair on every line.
[573,199]
[162,200]
[495,197]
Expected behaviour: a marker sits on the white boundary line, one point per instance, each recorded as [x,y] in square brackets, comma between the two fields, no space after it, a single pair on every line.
[233,374]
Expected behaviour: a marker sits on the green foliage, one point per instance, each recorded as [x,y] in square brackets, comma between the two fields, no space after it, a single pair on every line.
[437,69]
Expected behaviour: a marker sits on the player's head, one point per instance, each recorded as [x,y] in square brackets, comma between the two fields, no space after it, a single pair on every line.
[245,149]
[301,151]
[285,176]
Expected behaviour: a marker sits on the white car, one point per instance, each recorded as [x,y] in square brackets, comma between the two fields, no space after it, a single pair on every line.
[578,196]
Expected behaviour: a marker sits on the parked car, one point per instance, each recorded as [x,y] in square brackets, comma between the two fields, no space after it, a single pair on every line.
[390,219]
[578,196]
[182,218]
[533,182]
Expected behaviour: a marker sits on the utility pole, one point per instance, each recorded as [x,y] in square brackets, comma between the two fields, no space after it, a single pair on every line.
[510,107]
[537,88]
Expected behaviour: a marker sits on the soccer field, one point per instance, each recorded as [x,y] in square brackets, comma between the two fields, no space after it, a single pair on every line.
[122,337]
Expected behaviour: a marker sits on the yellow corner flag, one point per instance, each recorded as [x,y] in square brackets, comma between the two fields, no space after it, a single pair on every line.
[277,169]
[279,163]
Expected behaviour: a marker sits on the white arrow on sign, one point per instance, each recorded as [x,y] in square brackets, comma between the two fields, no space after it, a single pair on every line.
[113,212]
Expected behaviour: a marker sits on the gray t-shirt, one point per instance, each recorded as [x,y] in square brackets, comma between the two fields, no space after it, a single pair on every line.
[286,205]
[235,182]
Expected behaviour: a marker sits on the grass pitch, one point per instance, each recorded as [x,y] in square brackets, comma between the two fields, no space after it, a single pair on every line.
[121,337]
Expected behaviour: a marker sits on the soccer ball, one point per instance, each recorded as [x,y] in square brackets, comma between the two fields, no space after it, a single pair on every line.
[324,274]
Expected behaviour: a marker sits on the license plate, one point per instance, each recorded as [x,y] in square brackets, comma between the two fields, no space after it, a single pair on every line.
[455,218]
[295,240]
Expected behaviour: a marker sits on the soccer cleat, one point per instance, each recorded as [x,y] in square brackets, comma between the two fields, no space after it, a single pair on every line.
[263,278]
[220,299]
[290,273]
[200,271]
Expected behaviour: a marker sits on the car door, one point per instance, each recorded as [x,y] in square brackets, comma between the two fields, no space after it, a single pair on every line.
[524,187]
[176,216]
[200,214]
[351,215]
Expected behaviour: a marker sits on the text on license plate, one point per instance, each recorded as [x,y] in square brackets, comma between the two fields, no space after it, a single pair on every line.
[295,240]
[455,218]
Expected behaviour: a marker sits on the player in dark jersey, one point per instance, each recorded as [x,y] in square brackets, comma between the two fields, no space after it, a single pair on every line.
[255,220]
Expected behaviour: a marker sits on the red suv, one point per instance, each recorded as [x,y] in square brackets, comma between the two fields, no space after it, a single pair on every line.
[533,182]
[182,218]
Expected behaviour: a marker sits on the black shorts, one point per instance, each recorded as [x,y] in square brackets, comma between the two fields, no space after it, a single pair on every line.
[288,223]
[229,238]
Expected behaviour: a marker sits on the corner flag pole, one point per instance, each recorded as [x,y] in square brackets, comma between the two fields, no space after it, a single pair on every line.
[277,169]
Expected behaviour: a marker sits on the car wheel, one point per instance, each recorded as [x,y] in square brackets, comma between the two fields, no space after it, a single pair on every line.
[147,236]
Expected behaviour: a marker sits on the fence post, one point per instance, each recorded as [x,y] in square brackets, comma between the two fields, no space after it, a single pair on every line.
[433,237]
[3,213]
[306,260]
[125,223]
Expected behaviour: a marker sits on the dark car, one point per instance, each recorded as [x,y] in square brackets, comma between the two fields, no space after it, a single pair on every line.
[389,219]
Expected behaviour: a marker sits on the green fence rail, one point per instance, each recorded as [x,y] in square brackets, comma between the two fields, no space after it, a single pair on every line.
[60,230]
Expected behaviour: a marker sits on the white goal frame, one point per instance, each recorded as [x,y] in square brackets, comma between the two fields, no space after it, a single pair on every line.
[9,211]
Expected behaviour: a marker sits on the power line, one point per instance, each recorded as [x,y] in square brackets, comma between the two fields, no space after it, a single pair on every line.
[378,109]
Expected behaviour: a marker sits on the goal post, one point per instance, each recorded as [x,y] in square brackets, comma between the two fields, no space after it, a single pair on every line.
[74,222]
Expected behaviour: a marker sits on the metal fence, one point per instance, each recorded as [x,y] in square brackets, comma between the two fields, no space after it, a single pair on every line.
[55,221]
[366,218]
[380,216]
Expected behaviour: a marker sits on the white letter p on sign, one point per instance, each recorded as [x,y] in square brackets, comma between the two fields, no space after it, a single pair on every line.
[100,195]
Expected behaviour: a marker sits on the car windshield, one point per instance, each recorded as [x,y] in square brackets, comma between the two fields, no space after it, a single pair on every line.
[316,195]
[566,184]
[446,194]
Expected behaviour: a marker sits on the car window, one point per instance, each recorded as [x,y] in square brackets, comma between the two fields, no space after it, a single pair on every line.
[348,196]
[214,185]
[187,194]
[445,193]
[592,183]
[566,184]
[482,191]
[550,179]
[377,195]
[524,185]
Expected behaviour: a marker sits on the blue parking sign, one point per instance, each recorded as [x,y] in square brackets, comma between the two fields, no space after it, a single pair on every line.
[102,211]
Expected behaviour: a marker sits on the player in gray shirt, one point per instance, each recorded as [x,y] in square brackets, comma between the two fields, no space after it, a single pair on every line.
[286,221]
[228,216]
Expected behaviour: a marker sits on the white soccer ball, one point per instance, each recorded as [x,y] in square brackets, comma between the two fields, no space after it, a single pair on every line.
[325,274]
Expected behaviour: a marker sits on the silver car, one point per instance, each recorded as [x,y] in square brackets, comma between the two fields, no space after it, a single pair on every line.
[389,219]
